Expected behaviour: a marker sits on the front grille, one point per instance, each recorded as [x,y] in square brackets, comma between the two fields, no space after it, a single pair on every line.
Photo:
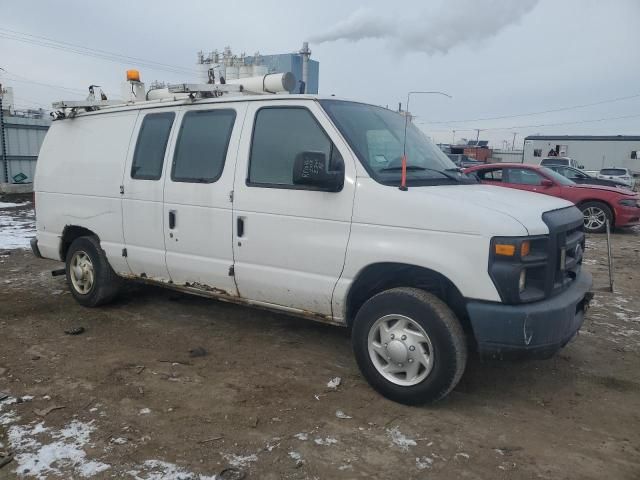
[566,248]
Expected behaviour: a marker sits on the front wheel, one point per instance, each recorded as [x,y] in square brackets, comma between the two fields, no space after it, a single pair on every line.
[409,345]
[596,215]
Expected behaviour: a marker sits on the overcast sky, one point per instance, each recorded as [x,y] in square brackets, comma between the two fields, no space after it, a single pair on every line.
[495,57]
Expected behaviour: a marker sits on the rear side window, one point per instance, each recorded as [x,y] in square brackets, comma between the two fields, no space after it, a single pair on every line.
[279,136]
[152,143]
[202,146]
[520,176]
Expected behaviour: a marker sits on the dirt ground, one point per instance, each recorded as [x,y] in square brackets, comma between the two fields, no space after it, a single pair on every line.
[136,404]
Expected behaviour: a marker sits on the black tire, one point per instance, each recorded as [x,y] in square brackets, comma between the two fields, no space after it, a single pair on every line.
[438,322]
[604,208]
[106,283]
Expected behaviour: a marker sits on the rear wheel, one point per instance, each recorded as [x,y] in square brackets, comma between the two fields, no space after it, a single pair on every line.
[91,279]
[596,215]
[409,345]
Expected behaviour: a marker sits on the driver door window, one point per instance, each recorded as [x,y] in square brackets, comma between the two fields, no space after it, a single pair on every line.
[521,176]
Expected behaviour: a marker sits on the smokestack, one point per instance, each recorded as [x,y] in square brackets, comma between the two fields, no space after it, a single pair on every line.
[306,53]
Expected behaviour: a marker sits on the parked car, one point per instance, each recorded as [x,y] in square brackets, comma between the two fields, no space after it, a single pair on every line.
[622,175]
[564,161]
[463,161]
[302,205]
[597,203]
[583,178]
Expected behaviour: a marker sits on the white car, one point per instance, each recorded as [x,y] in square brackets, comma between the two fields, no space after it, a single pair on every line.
[622,175]
[292,203]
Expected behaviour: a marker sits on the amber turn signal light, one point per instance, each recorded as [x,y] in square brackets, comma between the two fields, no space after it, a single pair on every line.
[505,249]
[525,249]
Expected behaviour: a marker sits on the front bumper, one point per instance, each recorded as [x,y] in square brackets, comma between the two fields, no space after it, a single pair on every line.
[537,329]
[627,216]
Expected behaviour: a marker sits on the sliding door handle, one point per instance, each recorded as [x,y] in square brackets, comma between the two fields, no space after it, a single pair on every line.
[240,227]
[172,219]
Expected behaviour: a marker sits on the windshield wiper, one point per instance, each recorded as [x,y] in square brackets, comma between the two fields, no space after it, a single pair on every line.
[415,168]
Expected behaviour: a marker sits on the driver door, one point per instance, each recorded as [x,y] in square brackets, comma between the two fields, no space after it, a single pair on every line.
[289,240]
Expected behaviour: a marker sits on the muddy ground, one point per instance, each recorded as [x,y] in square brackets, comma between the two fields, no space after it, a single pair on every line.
[136,404]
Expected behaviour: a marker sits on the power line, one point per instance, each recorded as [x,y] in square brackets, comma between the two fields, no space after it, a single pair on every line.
[561,109]
[89,52]
[543,124]
[22,79]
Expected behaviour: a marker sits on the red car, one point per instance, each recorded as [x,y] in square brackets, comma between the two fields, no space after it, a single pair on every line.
[598,203]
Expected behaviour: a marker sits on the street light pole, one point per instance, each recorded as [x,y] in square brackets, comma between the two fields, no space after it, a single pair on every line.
[403,183]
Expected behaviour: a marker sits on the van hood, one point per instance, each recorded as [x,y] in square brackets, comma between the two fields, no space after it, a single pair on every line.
[525,207]
[484,210]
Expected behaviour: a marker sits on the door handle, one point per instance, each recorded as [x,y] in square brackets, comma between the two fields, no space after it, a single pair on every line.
[240,227]
[172,219]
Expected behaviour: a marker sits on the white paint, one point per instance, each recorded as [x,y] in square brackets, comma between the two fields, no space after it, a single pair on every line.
[43,452]
[399,439]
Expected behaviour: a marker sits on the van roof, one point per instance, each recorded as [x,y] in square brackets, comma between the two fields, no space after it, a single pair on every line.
[166,102]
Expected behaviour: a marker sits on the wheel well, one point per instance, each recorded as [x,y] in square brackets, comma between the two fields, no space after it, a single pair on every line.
[382,276]
[597,200]
[69,234]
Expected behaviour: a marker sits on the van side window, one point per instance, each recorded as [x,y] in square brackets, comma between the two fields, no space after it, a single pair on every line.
[202,146]
[152,143]
[279,135]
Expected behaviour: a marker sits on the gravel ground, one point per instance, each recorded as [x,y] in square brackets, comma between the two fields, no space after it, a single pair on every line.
[127,399]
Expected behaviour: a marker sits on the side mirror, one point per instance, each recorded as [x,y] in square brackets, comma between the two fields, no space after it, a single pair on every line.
[310,168]
[546,183]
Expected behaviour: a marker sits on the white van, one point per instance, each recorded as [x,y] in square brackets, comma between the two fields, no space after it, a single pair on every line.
[292,203]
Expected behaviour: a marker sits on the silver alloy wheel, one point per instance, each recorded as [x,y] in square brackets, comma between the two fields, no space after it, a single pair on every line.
[400,350]
[81,272]
[594,218]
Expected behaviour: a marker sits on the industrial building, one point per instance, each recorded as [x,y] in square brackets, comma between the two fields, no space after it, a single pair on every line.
[594,152]
[21,135]
[232,67]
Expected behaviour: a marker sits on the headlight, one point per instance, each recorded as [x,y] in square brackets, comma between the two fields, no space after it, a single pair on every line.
[630,202]
[517,267]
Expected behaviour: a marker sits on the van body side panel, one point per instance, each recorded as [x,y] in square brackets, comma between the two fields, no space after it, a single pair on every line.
[198,247]
[78,181]
[292,249]
[424,227]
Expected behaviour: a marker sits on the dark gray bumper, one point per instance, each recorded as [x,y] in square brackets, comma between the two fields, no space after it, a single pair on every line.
[34,247]
[536,329]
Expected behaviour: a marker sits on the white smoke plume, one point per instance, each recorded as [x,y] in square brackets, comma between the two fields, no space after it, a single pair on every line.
[453,23]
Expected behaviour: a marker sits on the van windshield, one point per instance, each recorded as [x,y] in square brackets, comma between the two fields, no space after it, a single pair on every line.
[376,135]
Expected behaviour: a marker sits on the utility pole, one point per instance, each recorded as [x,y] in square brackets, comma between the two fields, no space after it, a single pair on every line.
[513,144]
[477,135]
[3,140]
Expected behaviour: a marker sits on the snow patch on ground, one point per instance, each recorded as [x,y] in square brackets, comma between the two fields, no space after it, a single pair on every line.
[239,461]
[159,470]
[302,436]
[326,441]
[41,452]
[399,439]
[9,417]
[423,462]
[16,228]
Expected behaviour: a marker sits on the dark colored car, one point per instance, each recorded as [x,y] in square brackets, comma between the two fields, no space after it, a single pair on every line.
[583,178]
[598,203]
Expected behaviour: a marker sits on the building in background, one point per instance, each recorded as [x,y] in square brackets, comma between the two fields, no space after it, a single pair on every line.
[21,135]
[232,66]
[593,151]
